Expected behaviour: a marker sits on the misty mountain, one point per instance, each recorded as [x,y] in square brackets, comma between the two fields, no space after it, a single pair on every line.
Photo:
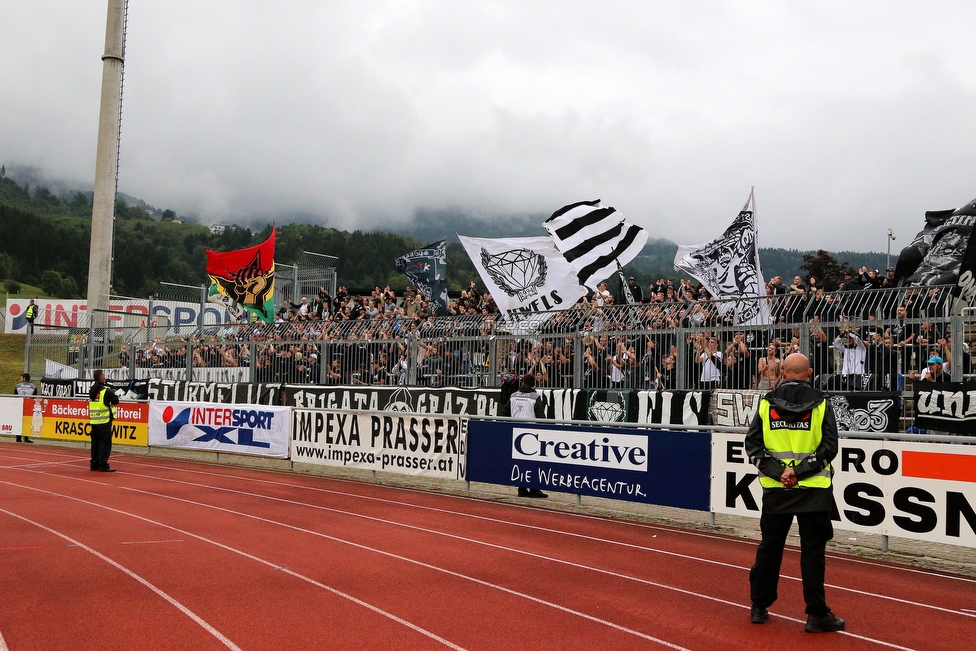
[44,233]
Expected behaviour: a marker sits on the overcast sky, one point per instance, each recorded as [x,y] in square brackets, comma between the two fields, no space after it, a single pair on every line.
[849,118]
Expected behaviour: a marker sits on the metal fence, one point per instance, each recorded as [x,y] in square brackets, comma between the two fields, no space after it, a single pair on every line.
[678,345]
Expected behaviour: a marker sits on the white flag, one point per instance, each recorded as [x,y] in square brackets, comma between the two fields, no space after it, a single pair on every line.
[594,238]
[525,275]
[729,268]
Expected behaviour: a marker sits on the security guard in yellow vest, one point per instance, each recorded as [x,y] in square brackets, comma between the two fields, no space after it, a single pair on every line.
[101,413]
[30,314]
[792,441]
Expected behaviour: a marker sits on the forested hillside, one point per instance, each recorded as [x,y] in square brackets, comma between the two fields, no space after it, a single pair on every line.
[44,241]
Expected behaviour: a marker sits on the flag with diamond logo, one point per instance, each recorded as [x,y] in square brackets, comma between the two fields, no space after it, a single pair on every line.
[526,276]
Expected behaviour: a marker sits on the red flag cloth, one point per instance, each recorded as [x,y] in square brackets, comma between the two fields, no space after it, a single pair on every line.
[245,263]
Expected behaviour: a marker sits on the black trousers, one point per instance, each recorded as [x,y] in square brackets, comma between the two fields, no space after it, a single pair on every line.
[815,530]
[101,446]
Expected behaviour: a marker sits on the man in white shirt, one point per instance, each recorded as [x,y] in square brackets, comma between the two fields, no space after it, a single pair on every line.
[855,354]
[711,361]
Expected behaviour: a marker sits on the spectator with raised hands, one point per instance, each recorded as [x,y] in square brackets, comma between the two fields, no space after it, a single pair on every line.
[769,368]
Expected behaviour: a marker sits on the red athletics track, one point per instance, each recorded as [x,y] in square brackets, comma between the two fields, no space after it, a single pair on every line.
[170,554]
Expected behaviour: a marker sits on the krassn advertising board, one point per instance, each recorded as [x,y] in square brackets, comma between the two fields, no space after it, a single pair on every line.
[651,466]
[67,420]
[925,491]
[257,430]
[406,444]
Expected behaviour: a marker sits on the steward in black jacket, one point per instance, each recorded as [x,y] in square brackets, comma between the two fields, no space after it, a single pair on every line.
[791,441]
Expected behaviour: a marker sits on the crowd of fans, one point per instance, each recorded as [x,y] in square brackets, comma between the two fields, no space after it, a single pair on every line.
[857,340]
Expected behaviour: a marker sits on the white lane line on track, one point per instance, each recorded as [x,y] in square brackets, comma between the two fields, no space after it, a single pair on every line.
[3,643]
[36,464]
[508,590]
[274,566]
[479,581]
[628,523]
[407,489]
[176,604]
[544,529]
[359,546]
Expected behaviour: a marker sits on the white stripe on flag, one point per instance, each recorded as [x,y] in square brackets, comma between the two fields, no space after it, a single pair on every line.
[593,238]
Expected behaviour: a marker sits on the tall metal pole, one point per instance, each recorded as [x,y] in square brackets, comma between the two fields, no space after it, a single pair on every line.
[891,236]
[106,165]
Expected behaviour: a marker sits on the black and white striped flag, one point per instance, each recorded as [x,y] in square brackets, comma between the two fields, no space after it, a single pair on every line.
[593,238]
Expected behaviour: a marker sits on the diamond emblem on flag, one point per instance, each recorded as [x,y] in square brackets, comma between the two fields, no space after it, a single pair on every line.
[518,272]
[606,412]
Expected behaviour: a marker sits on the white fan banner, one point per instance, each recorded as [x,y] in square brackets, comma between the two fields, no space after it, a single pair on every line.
[729,269]
[257,430]
[524,275]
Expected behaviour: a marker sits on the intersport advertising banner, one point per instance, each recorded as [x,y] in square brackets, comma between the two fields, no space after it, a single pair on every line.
[924,491]
[173,316]
[257,430]
[650,466]
[406,444]
[11,416]
[67,420]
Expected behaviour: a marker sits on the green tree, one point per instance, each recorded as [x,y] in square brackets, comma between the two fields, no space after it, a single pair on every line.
[6,266]
[51,282]
[69,288]
[825,268]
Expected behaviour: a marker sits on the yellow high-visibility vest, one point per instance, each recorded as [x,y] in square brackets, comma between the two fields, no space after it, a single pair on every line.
[791,443]
[98,412]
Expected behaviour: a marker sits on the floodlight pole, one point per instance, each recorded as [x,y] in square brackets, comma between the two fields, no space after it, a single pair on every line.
[891,236]
[106,165]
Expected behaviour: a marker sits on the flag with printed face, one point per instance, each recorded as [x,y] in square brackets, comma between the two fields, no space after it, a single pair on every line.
[729,269]
[246,277]
[949,243]
[427,269]
[526,276]
[593,239]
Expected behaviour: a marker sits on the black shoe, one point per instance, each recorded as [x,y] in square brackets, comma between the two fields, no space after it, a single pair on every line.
[535,492]
[523,492]
[106,470]
[27,440]
[824,623]
[759,614]
[19,440]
